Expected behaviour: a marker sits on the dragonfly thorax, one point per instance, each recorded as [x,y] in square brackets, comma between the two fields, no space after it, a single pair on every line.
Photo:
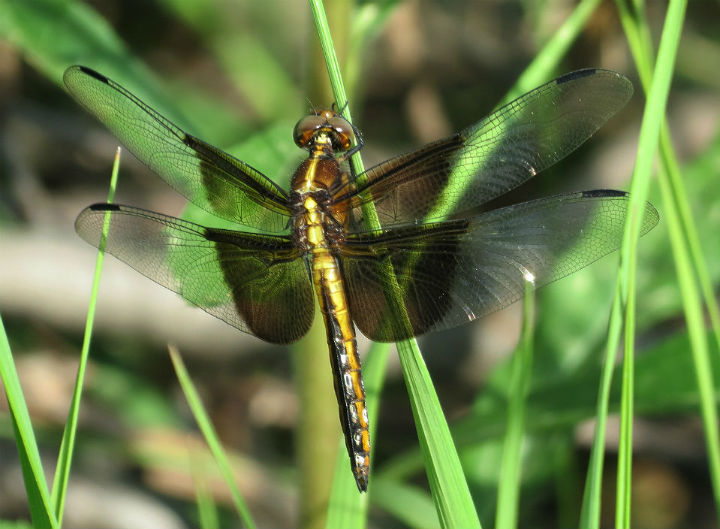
[317,174]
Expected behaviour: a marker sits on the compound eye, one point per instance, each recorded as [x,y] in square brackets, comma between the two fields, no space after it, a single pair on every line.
[305,129]
[344,136]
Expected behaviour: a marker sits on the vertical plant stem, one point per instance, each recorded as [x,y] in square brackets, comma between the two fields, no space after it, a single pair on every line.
[318,426]
[32,470]
[687,253]
[447,483]
[590,513]
[203,421]
[62,472]
[553,51]
[316,438]
[511,464]
[647,147]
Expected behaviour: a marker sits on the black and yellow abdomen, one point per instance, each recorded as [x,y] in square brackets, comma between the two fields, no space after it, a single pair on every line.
[347,374]
[349,387]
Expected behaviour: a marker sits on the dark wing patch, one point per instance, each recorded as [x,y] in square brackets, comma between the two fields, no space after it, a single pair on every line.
[453,272]
[497,154]
[210,178]
[256,283]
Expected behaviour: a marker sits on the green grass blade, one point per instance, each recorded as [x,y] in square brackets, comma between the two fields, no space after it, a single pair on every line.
[368,20]
[346,507]
[680,201]
[207,511]
[62,471]
[317,425]
[535,74]
[447,481]
[206,427]
[511,465]
[694,318]
[649,133]
[544,62]
[336,81]
[246,59]
[341,493]
[412,506]
[590,516]
[654,111]
[647,147]
[687,254]
[33,476]
[590,513]
[665,384]
[53,35]
[623,498]
[338,496]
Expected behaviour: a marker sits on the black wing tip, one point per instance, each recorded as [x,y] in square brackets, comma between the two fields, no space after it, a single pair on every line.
[587,72]
[93,209]
[93,73]
[602,193]
[87,71]
[103,207]
[650,218]
[577,74]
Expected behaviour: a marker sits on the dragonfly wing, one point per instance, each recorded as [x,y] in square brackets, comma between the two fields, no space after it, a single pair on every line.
[256,283]
[205,175]
[452,272]
[493,156]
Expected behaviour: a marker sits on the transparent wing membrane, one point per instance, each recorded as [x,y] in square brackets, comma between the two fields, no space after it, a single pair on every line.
[205,175]
[453,272]
[256,283]
[493,156]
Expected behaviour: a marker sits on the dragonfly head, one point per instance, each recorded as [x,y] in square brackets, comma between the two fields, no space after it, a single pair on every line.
[324,125]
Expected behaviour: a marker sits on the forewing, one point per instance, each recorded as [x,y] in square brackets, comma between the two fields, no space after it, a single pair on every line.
[493,156]
[205,175]
[256,283]
[455,271]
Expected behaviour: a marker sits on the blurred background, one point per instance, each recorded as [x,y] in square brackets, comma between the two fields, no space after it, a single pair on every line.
[239,74]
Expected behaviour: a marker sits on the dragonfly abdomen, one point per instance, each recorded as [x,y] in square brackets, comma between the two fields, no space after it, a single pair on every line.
[347,374]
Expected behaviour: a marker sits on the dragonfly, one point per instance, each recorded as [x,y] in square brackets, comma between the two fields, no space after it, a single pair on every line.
[403,249]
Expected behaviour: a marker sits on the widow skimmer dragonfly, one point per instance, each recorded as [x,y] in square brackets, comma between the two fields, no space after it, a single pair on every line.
[434,263]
